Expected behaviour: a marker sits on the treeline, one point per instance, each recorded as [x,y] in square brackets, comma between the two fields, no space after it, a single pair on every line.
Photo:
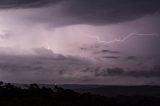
[34,95]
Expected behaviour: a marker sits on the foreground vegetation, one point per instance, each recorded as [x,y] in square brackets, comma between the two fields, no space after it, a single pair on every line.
[11,95]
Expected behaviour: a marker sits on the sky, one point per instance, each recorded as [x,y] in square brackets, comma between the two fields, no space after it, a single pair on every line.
[111,42]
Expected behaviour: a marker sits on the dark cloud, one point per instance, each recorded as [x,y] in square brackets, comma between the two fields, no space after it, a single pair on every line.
[110,11]
[48,53]
[4,4]
[110,51]
[109,72]
[155,72]
[95,12]
[133,58]
[111,57]
[5,35]
[101,52]
[41,68]
[90,47]
[44,51]
[22,68]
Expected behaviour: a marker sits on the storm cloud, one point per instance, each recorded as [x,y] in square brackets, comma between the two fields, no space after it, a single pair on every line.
[155,72]
[94,12]
[40,67]
[110,11]
[6,4]
[80,41]
[51,68]
[111,57]
[110,51]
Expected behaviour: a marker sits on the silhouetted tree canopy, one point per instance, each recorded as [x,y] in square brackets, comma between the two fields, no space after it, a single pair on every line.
[34,95]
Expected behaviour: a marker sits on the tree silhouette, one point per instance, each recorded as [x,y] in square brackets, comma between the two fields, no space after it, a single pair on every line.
[11,95]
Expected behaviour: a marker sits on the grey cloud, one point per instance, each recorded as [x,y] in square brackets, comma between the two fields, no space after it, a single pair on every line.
[97,47]
[95,12]
[109,72]
[90,47]
[5,4]
[5,35]
[43,51]
[110,51]
[111,57]
[41,68]
[155,72]
[48,53]
[104,53]
[133,58]
[99,12]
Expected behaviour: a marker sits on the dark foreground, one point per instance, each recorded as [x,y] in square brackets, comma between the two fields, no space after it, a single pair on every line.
[42,96]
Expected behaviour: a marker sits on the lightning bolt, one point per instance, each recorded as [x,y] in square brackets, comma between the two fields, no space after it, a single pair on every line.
[99,40]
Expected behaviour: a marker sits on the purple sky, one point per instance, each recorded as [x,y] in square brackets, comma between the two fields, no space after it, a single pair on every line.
[80,41]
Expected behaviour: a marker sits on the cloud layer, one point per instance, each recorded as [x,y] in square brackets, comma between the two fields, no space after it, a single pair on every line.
[43,66]
[129,73]
[5,4]
[47,67]
[95,12]
[62,41]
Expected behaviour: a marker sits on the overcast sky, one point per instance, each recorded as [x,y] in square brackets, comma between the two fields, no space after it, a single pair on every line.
[80,41]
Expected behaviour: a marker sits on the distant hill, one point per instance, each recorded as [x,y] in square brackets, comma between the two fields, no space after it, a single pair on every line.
[38,95]
[65,86]
[123,90]
[145,90]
